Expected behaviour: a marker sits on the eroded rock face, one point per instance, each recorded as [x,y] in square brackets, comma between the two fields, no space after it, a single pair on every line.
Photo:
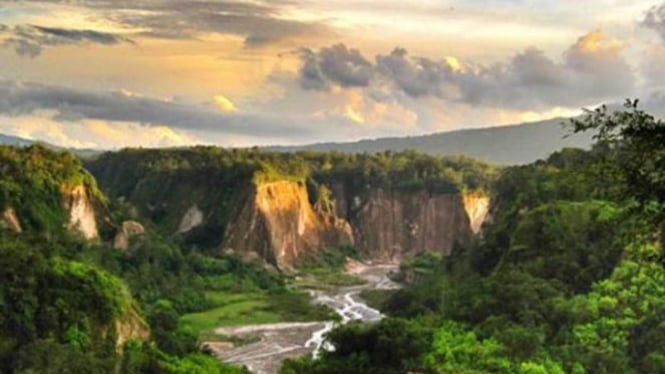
[477,207]
[131,327]
[278,222]
[9,220]
[127,230]
[78,203]
[192,219]
[388,225]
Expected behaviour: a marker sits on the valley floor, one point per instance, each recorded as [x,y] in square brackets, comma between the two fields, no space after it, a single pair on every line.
[270,344]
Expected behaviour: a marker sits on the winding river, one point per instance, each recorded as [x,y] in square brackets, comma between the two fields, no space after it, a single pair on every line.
[277,342]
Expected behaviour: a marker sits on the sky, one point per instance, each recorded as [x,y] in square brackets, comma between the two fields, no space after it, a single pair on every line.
[157,73]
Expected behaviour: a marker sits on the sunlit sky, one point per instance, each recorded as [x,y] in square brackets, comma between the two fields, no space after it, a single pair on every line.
[115,73]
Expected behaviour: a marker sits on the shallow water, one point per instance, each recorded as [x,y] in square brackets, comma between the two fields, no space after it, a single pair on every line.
[280,341]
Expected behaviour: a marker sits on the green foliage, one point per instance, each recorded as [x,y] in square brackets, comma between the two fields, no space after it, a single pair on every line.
[456,350]
[391,346]
[49,303]
[146,358]
[32,180]
[561,281]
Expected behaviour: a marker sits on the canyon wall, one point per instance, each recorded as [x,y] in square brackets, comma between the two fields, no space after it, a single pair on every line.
[81,211]
[278,222]
[391,224]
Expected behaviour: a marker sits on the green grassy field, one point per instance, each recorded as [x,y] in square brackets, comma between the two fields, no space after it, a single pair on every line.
[234,309]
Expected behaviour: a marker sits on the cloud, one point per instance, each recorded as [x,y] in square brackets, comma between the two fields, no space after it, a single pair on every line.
[652,66]
[30,40]
[655,20]
[224,104]
[337,64]
[259,23]
[93,133]
[591,70]
[71,105]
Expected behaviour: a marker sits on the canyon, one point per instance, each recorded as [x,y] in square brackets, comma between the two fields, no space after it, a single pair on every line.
[278,223]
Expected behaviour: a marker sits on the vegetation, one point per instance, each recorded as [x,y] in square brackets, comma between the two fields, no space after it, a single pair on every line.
[568,277]
[31,183]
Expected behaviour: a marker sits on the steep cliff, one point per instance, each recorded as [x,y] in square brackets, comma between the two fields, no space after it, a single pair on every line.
[80,208]
[391,224]
[45,191]
[477,207]
[9,220]
[279,206]
[278,222]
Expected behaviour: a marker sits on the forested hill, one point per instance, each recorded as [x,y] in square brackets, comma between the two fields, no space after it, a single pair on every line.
[508,145]
[567,276]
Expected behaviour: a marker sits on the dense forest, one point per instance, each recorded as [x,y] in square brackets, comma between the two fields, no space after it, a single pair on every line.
[567,277]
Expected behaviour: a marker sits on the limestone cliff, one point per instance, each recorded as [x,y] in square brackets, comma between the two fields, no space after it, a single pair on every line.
[128,230]
[390,224]
[278,222]
[81,211]
[193,218]
[477,207]
[9,220]
[130,326]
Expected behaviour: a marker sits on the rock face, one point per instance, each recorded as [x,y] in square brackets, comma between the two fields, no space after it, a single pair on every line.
[131,327]
[477,208]
[9,220]
[78,203]
[192,219]
[278,222]
[388,225]
[127,230]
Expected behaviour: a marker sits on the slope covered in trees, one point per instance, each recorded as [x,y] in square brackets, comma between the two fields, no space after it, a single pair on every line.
[567,278]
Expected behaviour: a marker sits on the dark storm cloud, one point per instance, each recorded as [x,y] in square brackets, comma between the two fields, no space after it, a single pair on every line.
[26,98]
[338,64]
[655,20]
[30,40]
[259,23]
[591,70]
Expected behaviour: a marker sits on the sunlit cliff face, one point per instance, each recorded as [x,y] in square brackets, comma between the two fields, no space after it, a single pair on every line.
[233,72]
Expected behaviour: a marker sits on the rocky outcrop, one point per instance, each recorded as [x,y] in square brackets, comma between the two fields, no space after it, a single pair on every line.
[9,220]
[477,206]
[131,327]
[127,230]
[192,219]
[388,224]
[80,207]
[278,222]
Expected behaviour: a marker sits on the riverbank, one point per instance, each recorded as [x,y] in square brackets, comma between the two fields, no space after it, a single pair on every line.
[271,344]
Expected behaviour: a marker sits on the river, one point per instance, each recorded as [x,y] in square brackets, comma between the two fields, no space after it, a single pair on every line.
[277,342]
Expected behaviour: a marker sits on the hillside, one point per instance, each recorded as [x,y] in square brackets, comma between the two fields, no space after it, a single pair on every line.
[507,145]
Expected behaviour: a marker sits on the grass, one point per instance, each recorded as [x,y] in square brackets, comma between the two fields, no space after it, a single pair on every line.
[250,308]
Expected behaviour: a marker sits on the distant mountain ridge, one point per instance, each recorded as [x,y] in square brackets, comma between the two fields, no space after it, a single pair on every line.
[23,142]
[15,140]
[505,145]
[508,145]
